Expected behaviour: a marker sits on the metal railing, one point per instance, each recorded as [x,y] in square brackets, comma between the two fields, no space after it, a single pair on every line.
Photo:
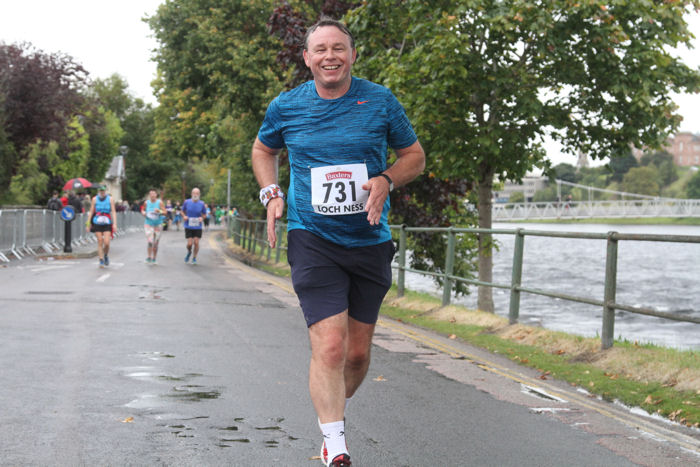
[607,302]
[29,231]
[252,235]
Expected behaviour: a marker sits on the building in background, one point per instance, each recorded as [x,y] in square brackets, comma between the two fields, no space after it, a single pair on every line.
[114,178]
[684,147]
[528,188]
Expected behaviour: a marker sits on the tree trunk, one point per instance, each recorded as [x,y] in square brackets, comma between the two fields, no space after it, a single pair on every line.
[485,297]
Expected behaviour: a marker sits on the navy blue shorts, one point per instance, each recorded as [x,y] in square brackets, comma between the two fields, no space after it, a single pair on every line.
[329,278]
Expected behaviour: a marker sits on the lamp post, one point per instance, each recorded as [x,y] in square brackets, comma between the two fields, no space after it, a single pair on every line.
[182,174]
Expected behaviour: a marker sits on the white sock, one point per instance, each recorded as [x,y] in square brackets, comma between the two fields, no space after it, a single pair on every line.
[334,437]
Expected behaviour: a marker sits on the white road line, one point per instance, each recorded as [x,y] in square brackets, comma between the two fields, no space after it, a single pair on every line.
[103,277]
[46,268]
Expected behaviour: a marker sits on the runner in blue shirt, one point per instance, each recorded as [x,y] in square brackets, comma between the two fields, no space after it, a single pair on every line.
[102,221]
[153,210]
[337,130]
[193,213]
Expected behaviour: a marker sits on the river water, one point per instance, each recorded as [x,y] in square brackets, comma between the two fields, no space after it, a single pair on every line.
[660,275]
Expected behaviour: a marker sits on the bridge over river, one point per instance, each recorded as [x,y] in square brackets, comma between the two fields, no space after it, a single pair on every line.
[629,205]
[597,209]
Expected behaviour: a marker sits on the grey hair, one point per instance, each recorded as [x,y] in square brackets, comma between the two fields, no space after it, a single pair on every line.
[328,21]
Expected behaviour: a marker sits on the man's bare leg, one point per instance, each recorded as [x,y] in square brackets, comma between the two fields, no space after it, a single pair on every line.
[358,355]
[329,344]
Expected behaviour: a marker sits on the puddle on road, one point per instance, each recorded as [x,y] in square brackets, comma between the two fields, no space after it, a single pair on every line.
[269,435]
[193,393]
[539,393]
[154,355]
[147,374]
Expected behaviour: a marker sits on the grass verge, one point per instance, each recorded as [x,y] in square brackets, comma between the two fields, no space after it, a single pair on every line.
[659,380]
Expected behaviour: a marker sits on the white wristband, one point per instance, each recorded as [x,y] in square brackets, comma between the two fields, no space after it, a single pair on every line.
[270,192]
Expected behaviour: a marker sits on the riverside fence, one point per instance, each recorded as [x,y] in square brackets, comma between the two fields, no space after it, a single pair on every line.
[26,232]
[252,235]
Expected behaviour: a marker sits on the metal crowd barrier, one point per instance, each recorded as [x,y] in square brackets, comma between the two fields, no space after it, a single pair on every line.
[26,232]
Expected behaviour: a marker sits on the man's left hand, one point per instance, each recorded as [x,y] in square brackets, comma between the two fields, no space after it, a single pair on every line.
[378,188]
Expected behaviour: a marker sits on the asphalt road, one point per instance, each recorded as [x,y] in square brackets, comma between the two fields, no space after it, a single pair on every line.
[174,364]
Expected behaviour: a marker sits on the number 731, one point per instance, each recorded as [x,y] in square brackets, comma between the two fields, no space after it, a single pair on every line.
[341,190]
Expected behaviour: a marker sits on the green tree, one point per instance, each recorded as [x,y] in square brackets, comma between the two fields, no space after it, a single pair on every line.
[40,94]
[642,180]
[546,194]
[132,139]
[516,197]
[484,82]
[663,161]
[7,155]
[566,172]
[217,73]
[29,179]
[621,164]
[693,187]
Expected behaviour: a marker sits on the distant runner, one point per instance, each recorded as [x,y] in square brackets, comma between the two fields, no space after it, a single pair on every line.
[194,211]
[102,221]
[154,210]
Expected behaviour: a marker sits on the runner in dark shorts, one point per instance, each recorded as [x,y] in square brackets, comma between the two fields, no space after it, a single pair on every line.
[193,213]
[329,278]
[340,246]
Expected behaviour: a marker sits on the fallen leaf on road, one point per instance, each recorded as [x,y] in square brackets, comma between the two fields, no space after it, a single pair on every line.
[453,336]
[315,458]
[379,378]
[128,420]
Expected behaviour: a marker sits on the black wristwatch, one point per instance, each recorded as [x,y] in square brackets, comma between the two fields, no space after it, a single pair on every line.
[388,179]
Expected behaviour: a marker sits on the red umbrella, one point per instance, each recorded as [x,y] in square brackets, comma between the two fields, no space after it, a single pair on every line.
[76,184]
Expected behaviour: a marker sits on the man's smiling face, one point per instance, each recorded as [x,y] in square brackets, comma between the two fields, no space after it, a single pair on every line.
[330,57]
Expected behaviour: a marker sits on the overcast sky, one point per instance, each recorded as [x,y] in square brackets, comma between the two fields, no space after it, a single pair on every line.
[108,36]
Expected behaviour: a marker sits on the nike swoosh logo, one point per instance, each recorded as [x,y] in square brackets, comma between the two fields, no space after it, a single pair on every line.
[362,102]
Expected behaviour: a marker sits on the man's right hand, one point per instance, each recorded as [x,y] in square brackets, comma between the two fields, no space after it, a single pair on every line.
[275,209]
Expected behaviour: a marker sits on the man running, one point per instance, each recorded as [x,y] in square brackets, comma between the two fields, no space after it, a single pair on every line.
[194,212]
[336,129]
[153,210]
[102,221]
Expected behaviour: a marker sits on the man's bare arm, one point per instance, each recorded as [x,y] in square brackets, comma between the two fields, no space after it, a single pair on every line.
[264,163]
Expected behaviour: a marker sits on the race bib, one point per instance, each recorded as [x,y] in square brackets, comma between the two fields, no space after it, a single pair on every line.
[194,221]
[153,215]
[101,220]
[336,190]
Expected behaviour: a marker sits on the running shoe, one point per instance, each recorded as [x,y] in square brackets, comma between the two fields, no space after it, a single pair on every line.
[102,263]
[324,453]
[341,460]
[106,260]
[148,260]
[194,260]
[187,258]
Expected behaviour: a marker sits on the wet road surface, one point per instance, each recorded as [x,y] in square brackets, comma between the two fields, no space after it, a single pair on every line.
[176,364]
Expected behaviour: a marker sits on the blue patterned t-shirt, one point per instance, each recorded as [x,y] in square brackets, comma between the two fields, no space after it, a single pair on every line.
[356,128]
